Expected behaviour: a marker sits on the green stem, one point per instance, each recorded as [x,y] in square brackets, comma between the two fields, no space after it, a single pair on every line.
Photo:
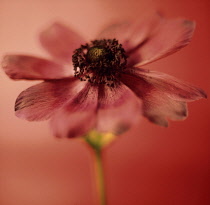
[100,176]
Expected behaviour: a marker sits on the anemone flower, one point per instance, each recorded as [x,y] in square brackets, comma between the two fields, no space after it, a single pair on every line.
[100,85]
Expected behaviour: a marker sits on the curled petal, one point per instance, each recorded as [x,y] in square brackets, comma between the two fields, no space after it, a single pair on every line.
[40,101]
[169,37]
[77,117]
[118,109]
[60,41]
[162,98]
[33,68]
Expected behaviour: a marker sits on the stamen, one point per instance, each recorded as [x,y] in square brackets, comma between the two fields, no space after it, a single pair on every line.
[101,62]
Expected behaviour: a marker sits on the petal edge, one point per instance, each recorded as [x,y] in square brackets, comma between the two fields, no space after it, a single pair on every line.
[20,67]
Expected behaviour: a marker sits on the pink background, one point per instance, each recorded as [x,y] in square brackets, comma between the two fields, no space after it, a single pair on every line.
[148,165]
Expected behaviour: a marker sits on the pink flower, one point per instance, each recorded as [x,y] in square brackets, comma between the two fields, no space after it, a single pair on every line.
[100,84]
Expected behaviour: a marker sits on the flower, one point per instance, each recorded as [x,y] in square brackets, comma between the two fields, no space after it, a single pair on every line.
[100,85]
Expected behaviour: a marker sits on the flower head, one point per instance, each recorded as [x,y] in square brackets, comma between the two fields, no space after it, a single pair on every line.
[99,84]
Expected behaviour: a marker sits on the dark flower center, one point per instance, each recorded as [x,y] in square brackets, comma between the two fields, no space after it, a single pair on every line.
[100,62]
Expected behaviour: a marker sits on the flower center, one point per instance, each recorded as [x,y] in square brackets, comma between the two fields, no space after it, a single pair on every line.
[95,54]
[100,62]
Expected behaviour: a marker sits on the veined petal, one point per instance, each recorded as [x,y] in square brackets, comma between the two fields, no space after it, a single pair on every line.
[118,109]
[33,68]
[60,41]
[169,37]
[40,101]
[78,116]
[171,86]
[158,107]
[162,98]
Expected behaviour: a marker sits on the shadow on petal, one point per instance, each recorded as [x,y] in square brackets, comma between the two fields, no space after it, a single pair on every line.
[118,109]
[40,101]
[164,97]
[78,116]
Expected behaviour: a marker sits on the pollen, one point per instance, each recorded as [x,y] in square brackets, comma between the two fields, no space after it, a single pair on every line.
[95,54]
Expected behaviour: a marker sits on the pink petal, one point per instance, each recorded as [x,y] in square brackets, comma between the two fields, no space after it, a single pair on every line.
[118,31]
[162,98]
[171,86]
[131,34]
[170,36]
[159,107]
[60,41]
[40,101]
[76,124]
[77,117]
[118,109]
[33,68]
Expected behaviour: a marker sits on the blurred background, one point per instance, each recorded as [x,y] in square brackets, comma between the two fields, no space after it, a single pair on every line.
[148,165]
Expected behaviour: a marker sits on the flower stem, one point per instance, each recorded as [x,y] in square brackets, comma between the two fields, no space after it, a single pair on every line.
[100,176]
[97,141]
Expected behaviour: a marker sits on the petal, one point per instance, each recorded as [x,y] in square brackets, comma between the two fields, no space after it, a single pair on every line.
[162,99]
[40,101]
[33,68]
[118,109]
[119,31]
[158,107]
[77,117]
[76,124]
[131,34]
[170,36]
[171,86]
[60,41]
